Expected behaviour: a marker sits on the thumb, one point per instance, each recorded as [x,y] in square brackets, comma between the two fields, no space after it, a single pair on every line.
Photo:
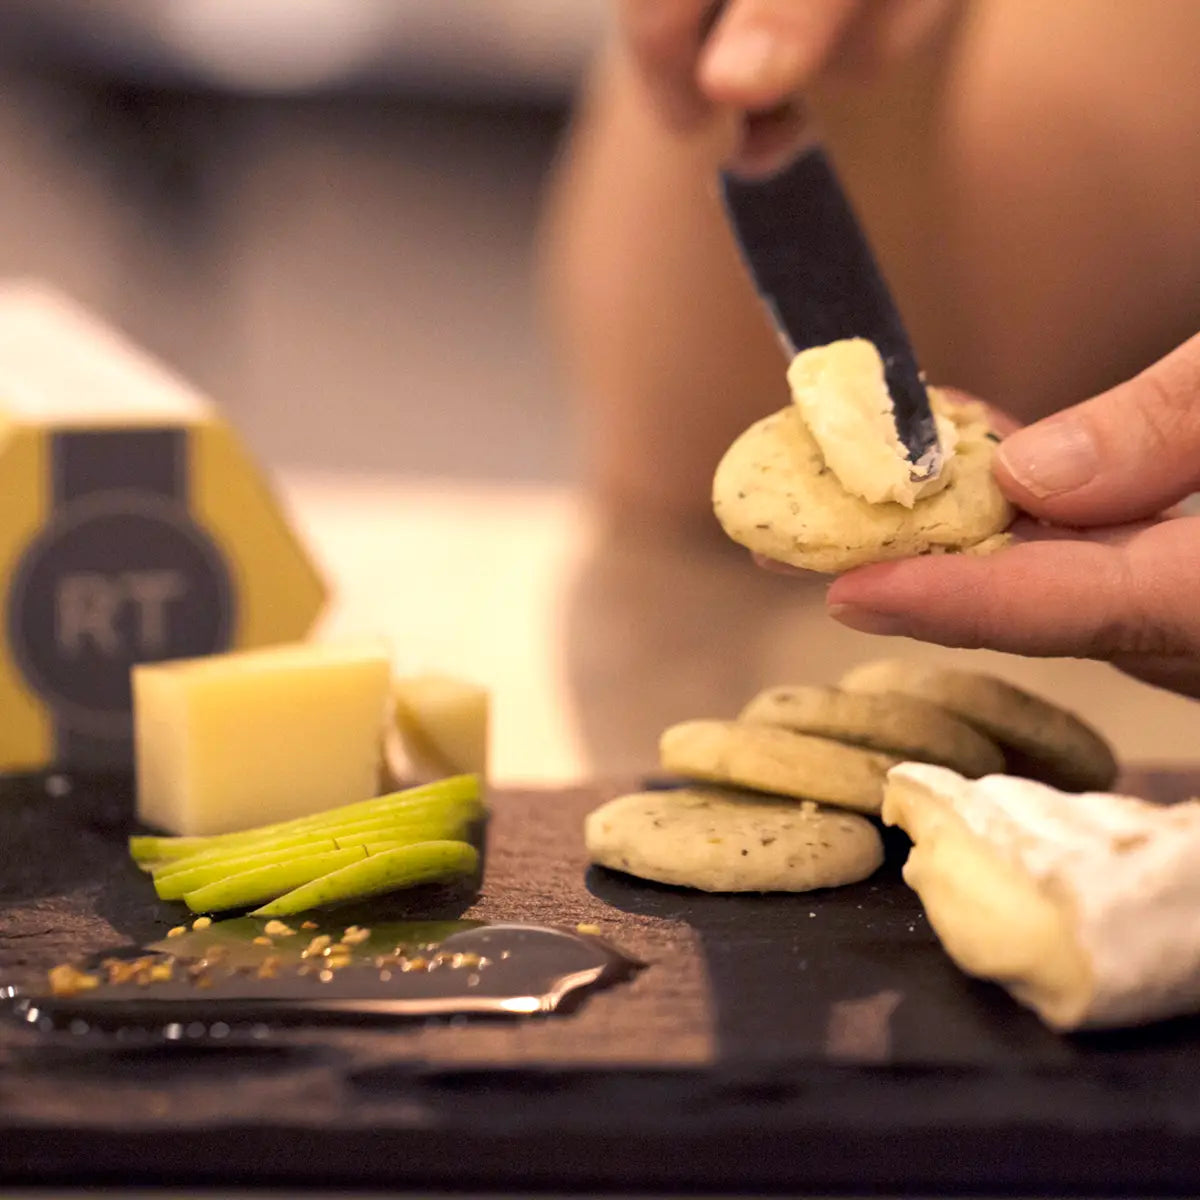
[1126,455]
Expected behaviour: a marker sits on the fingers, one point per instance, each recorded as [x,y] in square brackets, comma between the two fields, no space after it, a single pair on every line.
[1178,674]
[665,38]
[1123,456]
[1115,599]
[761,53]
[758,57]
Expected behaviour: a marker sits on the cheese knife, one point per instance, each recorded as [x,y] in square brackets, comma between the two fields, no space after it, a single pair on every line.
[501,970]
[814,271]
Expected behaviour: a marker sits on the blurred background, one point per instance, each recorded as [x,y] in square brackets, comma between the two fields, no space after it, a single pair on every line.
[320,210]
[323,212]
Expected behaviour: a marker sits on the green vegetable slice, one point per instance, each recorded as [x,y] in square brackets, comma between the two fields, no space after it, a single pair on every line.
[151,850]
[387,871]
[443,819]
[174,885]
[262,883]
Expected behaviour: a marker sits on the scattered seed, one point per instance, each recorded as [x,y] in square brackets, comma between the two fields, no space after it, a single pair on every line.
[202,922]
[262,940]
[121,971]
[309,925]
[270,967]
[66,980]
[275,928]
[355,935]
[317,946]
[325,976]
[178,931]
[385,975]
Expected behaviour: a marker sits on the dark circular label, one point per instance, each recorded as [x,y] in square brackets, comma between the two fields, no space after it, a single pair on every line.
[119,579]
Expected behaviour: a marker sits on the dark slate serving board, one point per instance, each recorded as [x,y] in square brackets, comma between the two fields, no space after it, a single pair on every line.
[814,1044]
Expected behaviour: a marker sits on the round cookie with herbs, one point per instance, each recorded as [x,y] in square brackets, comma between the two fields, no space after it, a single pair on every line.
[774,493]
[718,840]
[891,723]
[1040,740]
[767,758]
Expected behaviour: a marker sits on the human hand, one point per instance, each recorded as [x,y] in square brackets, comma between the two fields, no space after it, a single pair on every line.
[1112,575]
[757,57]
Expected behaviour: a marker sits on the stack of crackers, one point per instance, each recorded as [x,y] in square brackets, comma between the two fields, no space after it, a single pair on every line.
[783,797]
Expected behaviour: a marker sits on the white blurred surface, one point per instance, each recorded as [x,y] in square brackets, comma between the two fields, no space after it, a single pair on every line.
[468,579]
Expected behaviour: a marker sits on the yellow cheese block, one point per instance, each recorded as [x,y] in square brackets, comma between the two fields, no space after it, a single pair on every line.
[443,725]
[135,528]
[233,741]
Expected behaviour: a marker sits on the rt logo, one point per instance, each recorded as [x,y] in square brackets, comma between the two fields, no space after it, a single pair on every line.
[89,604]
[115,581]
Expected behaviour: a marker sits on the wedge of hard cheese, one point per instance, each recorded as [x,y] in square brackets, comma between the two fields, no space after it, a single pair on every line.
[232,741]
[443,724]
[1086,907]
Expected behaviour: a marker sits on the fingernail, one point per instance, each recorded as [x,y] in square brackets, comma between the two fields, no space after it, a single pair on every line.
[866,620]
[749,58]
[1052,457]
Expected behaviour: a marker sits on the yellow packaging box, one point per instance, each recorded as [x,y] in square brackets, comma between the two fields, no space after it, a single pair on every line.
[134,527]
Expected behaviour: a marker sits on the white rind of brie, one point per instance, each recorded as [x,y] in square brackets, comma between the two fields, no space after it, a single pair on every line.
[1085,906]
[842,395]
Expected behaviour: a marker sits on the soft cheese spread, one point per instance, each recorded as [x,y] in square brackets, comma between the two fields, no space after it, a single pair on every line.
[1086,906]
[842,396]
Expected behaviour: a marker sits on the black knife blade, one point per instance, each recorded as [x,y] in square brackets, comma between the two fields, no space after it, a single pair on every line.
[816,274]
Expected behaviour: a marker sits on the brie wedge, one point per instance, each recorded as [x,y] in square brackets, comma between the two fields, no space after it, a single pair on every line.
[1085,907]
